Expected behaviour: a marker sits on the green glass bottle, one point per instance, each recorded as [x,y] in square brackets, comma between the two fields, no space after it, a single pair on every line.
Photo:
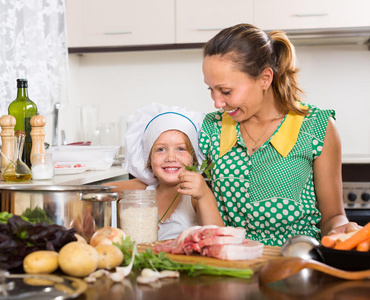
[23,109]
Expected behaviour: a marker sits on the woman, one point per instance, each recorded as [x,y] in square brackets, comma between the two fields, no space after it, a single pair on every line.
[160,142]
[278,161]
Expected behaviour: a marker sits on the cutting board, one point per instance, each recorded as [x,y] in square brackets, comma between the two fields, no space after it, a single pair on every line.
[269,252]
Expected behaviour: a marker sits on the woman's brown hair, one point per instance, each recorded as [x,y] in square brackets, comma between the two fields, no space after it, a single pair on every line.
[252,50]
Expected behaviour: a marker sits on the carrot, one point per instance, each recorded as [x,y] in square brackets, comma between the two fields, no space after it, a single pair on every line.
[330,241]
[364,246]
[360,236]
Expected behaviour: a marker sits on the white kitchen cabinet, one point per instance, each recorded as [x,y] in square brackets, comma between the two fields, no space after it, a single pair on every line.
[100,24]
[199,20]
[96,23]
[311,14]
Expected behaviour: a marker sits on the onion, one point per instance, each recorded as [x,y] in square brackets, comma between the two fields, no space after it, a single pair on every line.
[107,235]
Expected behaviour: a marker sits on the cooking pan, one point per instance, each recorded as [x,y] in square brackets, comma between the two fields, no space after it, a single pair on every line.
[348,260]
[87,208]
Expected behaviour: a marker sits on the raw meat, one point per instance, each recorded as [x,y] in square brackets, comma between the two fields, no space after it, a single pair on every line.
[213,230]
[247,250]
[176,246]
[226,243]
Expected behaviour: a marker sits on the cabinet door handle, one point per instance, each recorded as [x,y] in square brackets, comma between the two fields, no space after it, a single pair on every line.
[209,29]
[312,15]
[118,32]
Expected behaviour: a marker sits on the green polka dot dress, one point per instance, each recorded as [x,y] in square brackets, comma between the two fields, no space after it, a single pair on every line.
[272,196]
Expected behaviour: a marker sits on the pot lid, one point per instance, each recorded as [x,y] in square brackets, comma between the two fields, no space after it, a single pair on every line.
[59,188]
[40,286]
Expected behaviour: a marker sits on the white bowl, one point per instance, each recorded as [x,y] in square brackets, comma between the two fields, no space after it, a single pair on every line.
[94,157]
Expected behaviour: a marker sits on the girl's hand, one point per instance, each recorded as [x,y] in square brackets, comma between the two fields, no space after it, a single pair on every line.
[193,184]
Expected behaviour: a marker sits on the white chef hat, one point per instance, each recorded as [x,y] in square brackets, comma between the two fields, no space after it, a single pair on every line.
[147,124]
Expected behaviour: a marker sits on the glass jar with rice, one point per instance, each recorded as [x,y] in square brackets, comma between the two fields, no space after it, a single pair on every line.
[138,215]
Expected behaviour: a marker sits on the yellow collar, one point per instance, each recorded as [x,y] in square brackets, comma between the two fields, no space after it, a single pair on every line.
[283,140]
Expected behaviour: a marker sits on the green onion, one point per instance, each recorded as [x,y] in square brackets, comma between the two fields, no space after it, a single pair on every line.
[160,261]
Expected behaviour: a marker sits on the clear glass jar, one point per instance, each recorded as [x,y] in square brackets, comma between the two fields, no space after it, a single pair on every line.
[42,166]
[138,215]
[17,170]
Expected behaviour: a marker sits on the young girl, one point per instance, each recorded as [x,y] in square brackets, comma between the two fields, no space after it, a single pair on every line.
[160,142]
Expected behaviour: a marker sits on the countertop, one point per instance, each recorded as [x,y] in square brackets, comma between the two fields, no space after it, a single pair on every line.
[88,177]
[307,284]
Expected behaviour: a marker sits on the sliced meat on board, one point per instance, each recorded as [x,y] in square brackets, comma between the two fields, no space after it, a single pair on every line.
[227,243]
[247,250]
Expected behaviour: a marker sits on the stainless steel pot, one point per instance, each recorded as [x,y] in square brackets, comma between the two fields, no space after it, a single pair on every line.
[84,207]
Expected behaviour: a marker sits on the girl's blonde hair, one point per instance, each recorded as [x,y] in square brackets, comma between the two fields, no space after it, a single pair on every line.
[252,50]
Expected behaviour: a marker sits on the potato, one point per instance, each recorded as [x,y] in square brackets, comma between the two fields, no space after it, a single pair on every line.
[78,259]
[107,235]
[41,262]
[110,256]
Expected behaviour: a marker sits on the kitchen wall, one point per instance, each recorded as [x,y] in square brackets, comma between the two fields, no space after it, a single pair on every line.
[335,76]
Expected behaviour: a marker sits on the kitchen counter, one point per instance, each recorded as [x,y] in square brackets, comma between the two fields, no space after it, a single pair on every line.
[307,284]
[114,173]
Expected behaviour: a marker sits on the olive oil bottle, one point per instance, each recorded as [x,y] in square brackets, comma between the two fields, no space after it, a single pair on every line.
[23,109]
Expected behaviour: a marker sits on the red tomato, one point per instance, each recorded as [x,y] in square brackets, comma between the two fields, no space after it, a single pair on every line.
[79,166]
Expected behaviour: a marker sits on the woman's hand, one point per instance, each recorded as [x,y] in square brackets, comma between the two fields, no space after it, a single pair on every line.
[346,228]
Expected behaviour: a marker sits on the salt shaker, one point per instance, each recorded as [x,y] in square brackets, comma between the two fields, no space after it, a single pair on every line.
[42,166]
[138,215]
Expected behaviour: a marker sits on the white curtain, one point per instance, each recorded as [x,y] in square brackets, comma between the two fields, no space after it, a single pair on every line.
[33,46]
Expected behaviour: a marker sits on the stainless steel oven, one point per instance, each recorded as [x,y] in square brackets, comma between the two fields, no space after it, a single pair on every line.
[356,197]
[356,192]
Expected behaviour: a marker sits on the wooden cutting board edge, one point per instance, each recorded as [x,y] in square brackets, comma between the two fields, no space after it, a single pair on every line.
[269,252]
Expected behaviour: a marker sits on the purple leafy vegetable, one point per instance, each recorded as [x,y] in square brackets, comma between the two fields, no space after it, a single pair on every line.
[19,238]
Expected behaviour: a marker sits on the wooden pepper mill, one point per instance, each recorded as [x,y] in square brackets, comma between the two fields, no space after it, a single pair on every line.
[7,124]
[37,135]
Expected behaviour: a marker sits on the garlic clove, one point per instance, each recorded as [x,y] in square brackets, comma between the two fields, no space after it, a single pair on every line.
[166,274]
[150,273]
[126,270]
[149,276]
[97,274]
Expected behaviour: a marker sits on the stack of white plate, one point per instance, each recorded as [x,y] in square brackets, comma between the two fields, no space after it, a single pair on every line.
[93,157]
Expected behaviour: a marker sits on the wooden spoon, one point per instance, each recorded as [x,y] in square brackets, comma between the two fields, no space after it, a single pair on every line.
[281,268]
